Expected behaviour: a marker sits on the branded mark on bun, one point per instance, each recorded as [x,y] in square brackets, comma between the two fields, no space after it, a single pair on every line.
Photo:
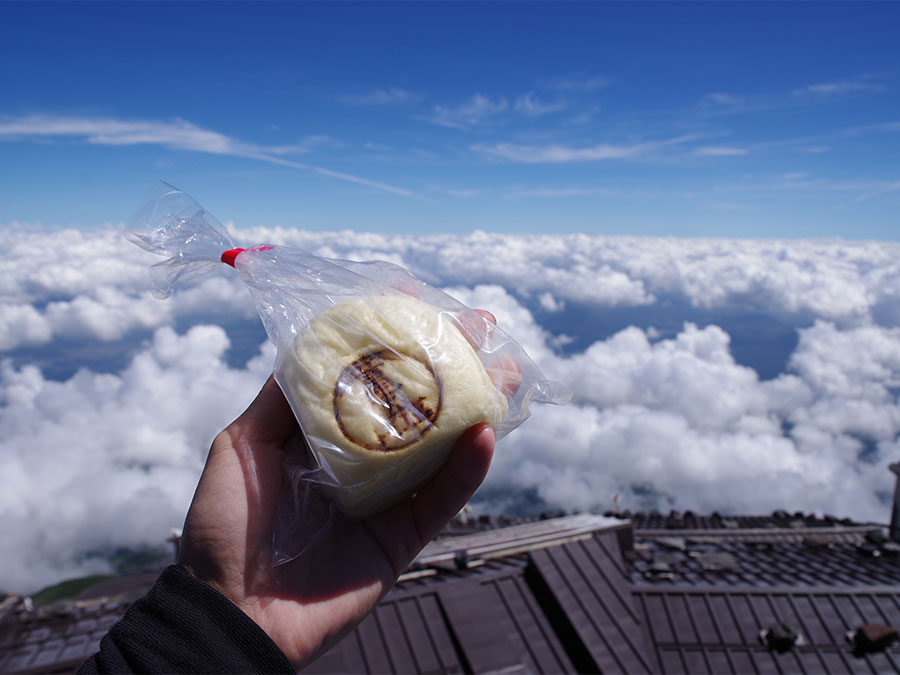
[396,415]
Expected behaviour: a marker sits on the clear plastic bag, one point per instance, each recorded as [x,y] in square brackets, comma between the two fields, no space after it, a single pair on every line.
[382,371]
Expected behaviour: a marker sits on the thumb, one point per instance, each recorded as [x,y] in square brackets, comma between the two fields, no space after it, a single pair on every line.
[443,497]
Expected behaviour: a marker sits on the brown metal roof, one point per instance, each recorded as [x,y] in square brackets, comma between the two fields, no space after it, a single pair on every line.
[820,562]
[585,594]
[688,520]
[705,630]
[518,611]
[57,641]
[489,621]
[586,585]
[586,604]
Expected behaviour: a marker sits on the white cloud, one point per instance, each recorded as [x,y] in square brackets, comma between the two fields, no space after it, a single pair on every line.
[477,111]
[721,99]
[666,420]
[558,154]
[22,324]
[78,284]
[578,84]
[839,88]
[459,193]
[305,145]
[529,104]
[559,193]
[106,314]
[71,283]
[885,188]
[861,363]
[102,461]
[383,96]
[719,151]
[176,134]
[678,424]
[550,303]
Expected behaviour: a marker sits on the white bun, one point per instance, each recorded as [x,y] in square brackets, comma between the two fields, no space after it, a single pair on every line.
[383,386]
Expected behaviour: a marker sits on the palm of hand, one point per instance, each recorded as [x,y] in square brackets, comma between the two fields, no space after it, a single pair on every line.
[308,604]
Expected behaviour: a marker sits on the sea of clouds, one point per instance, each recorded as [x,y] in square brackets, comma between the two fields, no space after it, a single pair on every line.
[708,374]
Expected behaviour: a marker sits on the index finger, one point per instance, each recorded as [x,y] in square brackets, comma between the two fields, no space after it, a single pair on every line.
[476,326]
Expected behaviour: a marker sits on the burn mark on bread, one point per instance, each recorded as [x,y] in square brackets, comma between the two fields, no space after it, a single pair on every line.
[399,420]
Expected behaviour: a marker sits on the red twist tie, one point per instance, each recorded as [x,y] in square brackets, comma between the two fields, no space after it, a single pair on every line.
[229,256]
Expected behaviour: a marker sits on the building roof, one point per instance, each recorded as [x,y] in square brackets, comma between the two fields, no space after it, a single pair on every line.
[695,595]
[586,593]
[55,641]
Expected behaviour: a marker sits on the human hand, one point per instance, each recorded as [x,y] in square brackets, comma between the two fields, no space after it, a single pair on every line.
[310,603]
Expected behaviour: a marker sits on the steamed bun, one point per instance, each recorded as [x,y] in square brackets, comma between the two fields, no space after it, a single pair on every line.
[383,386]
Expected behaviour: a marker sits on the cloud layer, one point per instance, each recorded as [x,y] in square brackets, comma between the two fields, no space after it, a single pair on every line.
[103,457]
[177,134]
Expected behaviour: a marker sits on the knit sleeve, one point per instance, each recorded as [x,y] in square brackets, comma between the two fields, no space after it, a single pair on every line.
[185,626]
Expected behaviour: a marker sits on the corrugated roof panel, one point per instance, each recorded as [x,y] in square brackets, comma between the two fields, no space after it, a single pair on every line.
[440,637]
[698,660]
[766,662]
[535,631]
[809,661]
[747,621]
[831,618]
[373,647]
[396,639]
[594,596]
[602,551]
[723,619]
[483,629]
[695,662]
[551,603]
[352,659]
[47,655]
[21,658]
[86,624]
[811,623]
[407,633]
[886,662]
[487,621]
[765,612]
[676,604]
[704,624]
[671,661]
[847,607]
[421,642]
[740,661]
[889,607]
[718,661]
[657,617]
[867,608]
[834,661]
[782,560]
[712,619]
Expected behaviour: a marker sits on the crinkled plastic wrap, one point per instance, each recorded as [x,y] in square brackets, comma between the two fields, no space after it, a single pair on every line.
[382,371]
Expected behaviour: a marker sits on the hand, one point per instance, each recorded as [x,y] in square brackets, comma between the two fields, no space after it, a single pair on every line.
[310,603]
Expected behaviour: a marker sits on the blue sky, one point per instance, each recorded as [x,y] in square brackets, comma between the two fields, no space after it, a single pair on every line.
[682,119]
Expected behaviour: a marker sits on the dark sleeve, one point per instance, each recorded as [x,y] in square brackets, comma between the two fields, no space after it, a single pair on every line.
[185,626]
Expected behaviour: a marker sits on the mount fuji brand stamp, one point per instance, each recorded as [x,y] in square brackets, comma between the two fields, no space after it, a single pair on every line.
[398,415]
